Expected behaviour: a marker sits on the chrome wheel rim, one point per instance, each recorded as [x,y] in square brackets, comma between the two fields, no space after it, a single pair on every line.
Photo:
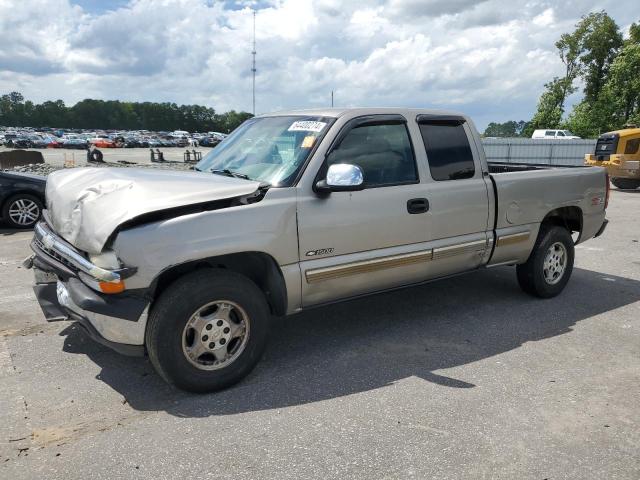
[215,335]
[24,212]
[555,263]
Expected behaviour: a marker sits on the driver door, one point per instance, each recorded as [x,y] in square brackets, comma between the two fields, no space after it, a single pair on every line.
[352,243]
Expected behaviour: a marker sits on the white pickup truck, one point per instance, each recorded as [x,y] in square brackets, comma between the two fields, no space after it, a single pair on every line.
[295,210]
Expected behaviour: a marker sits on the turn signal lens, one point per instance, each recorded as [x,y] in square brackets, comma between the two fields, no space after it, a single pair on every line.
[111,287]
[104,287]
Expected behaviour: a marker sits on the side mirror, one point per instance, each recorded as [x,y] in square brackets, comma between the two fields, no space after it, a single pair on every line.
[341,177]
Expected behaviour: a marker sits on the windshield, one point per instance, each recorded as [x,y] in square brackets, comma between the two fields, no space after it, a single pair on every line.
[267,149]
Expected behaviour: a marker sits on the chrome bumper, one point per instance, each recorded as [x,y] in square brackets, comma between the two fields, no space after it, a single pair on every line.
[58,299]
[51,244]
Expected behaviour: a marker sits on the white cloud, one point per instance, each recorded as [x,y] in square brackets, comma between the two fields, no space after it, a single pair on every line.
[544,19]
[490,58]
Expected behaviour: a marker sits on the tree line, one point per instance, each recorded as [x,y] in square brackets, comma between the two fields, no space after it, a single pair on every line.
[15,111]
[597,58]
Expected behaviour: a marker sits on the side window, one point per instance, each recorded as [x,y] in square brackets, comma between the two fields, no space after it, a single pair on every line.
[560,133]
[383,152]
[632,146]
[550,133]
[448,151]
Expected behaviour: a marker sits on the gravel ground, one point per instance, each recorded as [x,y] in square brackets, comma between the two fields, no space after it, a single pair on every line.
[56,159]
[465,378]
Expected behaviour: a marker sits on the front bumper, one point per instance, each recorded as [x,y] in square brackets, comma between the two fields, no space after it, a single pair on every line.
[47,295]
[117,320]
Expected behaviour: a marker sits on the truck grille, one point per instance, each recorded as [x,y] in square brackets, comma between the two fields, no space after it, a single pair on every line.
[53,254]
[607,145]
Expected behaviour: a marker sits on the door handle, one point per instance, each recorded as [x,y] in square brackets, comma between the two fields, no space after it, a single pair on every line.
[417,205]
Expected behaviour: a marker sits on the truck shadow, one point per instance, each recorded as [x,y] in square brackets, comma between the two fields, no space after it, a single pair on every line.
[369,343]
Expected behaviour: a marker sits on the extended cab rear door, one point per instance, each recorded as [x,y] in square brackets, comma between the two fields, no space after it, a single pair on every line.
[460,195]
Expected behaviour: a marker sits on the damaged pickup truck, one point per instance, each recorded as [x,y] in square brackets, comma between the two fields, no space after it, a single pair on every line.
[295,210]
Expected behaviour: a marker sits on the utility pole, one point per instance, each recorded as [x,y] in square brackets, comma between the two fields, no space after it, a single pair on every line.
[331,98]
[253,69]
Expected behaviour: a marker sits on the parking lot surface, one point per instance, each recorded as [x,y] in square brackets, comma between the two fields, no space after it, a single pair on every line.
[463,378]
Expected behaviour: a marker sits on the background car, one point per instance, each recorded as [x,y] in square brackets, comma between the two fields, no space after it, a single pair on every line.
[209,142]
[554,134]
[75,143]
[20,142]
[103,143]
[21,198]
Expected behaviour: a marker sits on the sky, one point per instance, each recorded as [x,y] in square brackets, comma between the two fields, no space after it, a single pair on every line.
[487,58]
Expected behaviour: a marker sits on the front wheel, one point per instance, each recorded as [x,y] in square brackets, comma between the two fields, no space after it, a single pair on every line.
[207,330]
[549,267]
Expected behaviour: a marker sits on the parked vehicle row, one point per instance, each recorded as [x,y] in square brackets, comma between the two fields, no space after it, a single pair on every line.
[31,138]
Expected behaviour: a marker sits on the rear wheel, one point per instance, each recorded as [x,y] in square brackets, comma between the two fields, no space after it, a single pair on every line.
[22,210]
[207,330]
[626,183]
[549,267]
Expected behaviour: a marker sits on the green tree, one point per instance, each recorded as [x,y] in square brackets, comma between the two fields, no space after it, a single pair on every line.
[550,106]
[510,128]
[601,40]
[116,115]
[618,101]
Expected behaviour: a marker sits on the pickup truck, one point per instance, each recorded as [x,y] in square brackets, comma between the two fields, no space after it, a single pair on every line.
[296,210]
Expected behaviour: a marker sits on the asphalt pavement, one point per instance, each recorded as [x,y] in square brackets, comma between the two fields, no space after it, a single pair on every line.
[464,378]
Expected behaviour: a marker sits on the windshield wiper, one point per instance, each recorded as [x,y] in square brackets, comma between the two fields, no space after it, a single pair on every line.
[229,173]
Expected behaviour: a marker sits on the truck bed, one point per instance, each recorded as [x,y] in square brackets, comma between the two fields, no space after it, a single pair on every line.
[505,167]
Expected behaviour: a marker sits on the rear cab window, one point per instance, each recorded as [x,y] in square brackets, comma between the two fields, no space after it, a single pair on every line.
[448,151]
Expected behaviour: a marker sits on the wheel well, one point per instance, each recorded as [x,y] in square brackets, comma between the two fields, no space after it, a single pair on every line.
[567,217]
[259,267]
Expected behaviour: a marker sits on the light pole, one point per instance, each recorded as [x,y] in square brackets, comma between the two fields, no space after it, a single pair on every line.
[253,69]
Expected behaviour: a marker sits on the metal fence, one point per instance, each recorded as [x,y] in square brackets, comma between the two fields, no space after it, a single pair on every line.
[527,150]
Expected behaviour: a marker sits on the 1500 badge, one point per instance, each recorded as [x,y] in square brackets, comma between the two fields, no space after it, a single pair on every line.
[321,251]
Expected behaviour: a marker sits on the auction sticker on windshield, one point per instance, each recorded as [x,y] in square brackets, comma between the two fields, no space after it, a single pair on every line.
[307,126]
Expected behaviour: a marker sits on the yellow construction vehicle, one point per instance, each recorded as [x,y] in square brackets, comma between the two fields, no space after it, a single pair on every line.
[619,153]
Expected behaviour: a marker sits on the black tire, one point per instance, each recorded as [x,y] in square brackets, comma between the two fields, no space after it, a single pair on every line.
[531,275]
[34,205]
[625,183]
[176,305]
[95,156]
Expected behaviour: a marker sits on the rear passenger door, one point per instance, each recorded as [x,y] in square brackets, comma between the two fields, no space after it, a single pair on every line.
[458,195]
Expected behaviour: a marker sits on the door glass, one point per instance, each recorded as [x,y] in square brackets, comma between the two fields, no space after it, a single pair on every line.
[383,152]
[632,146]
[448,151]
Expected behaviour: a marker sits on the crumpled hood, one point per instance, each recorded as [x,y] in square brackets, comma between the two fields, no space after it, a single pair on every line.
[86,205]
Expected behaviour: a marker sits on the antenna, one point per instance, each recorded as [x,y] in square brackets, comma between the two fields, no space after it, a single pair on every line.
[253,69]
